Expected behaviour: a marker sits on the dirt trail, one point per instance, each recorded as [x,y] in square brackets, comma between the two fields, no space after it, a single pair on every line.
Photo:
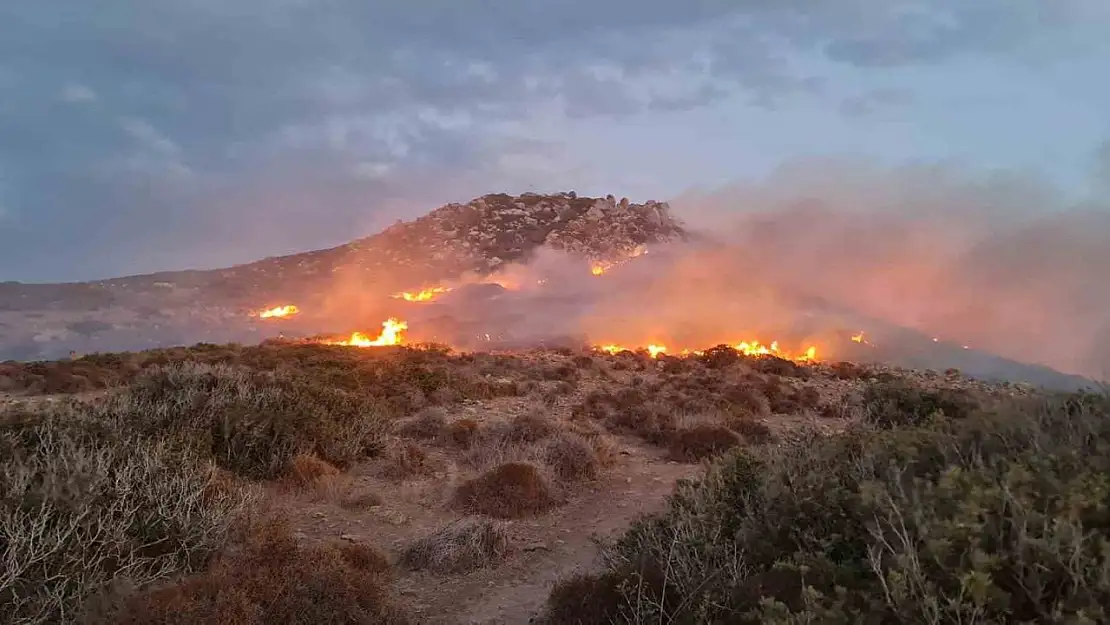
[544,548]
[550,547]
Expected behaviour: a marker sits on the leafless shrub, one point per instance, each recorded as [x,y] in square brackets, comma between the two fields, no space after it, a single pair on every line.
[465,545]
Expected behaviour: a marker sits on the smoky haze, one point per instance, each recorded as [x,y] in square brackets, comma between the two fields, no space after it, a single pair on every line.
[999,264]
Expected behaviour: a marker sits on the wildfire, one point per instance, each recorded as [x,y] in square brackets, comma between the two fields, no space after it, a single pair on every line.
[393,333]
[748,348]
[423,295]
[279,312]
[600,267]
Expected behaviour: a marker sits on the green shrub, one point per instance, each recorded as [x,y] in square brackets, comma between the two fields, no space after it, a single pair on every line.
[900,403]
[997,517]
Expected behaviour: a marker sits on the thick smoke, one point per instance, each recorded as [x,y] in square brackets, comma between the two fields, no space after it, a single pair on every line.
[999,264]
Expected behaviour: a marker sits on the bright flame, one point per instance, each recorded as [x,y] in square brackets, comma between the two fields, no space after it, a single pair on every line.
[393,333]
[748,348]
[423,295]
[279,312]
[599,267]
[858,338]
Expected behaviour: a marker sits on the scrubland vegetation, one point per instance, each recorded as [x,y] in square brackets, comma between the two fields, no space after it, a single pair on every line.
[899,498]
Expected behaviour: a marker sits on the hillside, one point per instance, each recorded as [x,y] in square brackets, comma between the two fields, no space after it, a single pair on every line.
[297,482]
[163,309]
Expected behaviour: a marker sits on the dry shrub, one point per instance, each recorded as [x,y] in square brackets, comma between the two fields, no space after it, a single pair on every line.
[428,424]
[702,441]
[585,600]
[84,500]
[461,433]
[508,491]
[746,400]
[754,432]
[531,427]
[273,580]
[462,546]
[360,500]
[307,470]
[251,423]
[409,460]
[571,457]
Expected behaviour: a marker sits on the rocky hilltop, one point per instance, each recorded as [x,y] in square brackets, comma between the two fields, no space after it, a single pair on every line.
[142,311]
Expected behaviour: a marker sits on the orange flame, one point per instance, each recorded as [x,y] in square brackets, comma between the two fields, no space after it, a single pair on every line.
[423,295]
[858,338]
[599,267]
[393,333]
[278,312]
[748,348]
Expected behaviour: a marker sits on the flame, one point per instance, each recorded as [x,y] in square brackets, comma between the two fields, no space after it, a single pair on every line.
[858,338]
[278,312]
[423,295]
[748,348]
[599,267]
[393,333]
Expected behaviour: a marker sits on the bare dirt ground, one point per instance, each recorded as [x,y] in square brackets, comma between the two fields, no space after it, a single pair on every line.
[543,549]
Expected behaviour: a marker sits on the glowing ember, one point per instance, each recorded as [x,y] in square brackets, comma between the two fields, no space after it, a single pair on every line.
[599,268]
[858,338]
[393,333]
[279,312]
[423,295]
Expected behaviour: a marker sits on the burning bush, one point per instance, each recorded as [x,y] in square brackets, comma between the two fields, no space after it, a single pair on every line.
[462,546]
[273,580]
[511,490]
[995,517]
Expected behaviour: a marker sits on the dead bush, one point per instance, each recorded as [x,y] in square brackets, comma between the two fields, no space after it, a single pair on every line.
[754,432]
[511,490]
[462,546]
[306,470]
[273,580]
[571,458]
[461,433]
[83,501]
[360,500]
[702,441]
[409,460]
[428,424]
[531,427]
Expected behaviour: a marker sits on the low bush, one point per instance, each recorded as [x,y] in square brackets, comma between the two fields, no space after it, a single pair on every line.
[273,580]
[84,501]
[997,516]
[508,491]
[462,546]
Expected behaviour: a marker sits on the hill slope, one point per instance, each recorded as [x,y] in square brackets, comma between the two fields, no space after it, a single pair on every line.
[143,311]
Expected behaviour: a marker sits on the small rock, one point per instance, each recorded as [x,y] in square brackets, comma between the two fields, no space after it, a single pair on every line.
[348,537]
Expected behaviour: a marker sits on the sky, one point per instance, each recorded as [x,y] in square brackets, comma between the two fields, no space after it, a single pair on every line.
[140,136]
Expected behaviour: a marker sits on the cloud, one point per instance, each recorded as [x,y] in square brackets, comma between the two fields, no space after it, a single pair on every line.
[216,95]
[77,94]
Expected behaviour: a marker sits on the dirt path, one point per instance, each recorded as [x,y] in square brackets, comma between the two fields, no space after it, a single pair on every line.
[544,548]
[550,547]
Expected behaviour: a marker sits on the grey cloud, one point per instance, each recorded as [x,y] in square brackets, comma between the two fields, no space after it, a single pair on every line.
[222,94]
[875,101]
